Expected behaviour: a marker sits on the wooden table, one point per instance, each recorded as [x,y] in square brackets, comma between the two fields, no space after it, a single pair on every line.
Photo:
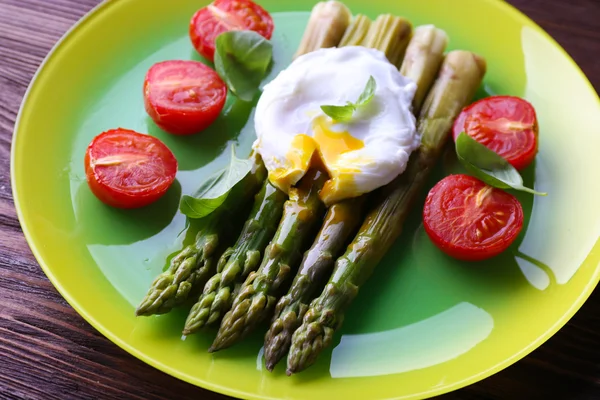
[47,351]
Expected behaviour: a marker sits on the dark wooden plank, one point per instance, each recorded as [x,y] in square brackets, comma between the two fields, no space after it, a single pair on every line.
[575,25]
[47,351]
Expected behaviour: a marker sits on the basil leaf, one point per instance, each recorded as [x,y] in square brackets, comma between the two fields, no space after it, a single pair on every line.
[488,166]
[198,206]
[368,93]
[339,113]
[345,113]
[241,60]
[215,189]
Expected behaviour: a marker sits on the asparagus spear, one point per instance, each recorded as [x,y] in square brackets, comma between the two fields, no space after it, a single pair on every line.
[256,297]
[238,261]
[291,308]
[195,263]
[341,221]
[390,35]
[422,60]
[356,31]
[326,25]
[460,75]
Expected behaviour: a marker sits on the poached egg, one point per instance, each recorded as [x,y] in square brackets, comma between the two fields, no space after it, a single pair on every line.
[361,155]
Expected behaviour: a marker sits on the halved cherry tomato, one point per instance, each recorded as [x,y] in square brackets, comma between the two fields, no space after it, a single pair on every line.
[126,169]
[183,97]
[505,124]
[227,15]
[470,220]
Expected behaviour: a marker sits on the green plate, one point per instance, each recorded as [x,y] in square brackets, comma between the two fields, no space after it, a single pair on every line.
[424,324]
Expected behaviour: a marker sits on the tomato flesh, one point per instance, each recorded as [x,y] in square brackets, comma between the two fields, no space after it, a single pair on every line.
[227,15]
[127,169]
[470,220]
[506,124]
[183,97]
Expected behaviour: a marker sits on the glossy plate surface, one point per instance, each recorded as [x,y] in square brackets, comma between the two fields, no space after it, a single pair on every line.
[424,324]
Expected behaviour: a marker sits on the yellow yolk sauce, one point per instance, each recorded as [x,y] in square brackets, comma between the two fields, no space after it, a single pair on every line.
[332,144]
[298,161]
[324,148]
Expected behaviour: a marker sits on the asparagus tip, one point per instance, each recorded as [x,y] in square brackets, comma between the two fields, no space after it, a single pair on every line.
[194,323]
[278,339]
[186,332]
[219,345]
[273,355]
[140,311]
[271,361]
[224,339]
[146,309]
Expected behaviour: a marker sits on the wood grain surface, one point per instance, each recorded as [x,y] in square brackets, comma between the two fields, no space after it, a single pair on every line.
[47,351]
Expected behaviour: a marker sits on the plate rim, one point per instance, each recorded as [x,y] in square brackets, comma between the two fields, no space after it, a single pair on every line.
[206,384]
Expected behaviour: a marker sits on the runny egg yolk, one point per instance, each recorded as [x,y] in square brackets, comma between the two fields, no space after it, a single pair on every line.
[322,150]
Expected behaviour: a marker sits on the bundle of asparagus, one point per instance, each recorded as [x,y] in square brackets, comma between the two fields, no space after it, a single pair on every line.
[326,26]
[460,76]
[256,297]
[256,300]
[424,53]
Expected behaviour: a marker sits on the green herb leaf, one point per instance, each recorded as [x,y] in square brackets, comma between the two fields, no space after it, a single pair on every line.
[215,189]
[489,166]
[368,93]
[339,113]
[242,59]
[345,113]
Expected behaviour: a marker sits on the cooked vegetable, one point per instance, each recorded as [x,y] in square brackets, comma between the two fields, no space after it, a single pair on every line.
[238,261]
[292,307]
[341,221]
[191,268]
[506,124]
[470,220]
[127,169]
[227,15]
[424,55]
[256,298]
[356,32]
[460,76]
[183,97]
[390,35]
[326,26]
